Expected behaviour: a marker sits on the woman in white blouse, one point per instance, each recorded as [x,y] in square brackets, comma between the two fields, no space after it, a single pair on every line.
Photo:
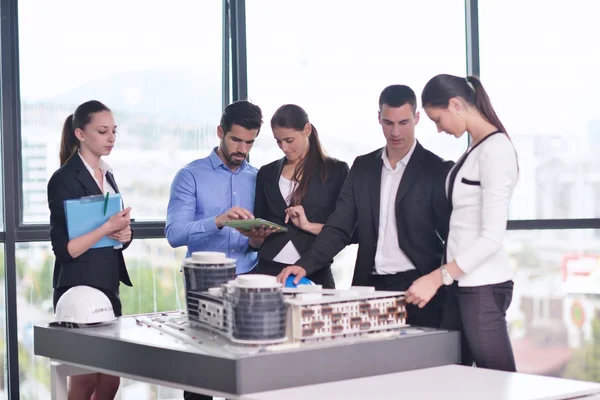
[479,187]
[299,191]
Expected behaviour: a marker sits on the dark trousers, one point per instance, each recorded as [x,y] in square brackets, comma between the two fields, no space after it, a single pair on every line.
[479,312]
[429,316]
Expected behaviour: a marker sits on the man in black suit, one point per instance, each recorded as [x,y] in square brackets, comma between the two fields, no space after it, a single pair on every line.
[395,198]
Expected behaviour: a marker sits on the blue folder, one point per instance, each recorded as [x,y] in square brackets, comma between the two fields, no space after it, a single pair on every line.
[87,213]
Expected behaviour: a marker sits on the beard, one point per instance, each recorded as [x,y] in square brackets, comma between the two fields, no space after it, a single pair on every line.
[229,156]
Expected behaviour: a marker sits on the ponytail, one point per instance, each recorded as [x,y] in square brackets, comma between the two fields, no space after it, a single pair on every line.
[441,88]
[483,103]
[68,142]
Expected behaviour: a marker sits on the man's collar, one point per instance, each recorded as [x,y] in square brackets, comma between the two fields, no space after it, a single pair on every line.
[216,161]
[214,158]
[404,160]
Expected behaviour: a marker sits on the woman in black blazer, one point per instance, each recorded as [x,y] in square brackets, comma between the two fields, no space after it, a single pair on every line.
[298,191]
[88,135]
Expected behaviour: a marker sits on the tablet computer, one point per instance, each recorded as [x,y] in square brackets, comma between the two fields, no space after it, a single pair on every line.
[247,224]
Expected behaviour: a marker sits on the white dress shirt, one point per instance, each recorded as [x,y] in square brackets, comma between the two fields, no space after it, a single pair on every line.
[480,198]
[106,186]
[289,254]
[389,258]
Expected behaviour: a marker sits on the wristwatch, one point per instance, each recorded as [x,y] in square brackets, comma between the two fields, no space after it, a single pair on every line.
[446,277]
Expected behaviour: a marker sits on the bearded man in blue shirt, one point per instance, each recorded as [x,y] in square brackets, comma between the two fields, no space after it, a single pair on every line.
[212,190]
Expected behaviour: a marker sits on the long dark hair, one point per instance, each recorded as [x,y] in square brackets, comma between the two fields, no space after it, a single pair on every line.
[294,117]
[78,120]
[441,88]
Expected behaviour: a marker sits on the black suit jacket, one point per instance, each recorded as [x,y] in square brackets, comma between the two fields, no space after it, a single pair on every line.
[422,215]
[318,203]
[102,267]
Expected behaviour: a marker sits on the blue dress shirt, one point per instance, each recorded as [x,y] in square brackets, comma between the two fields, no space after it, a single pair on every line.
[201,191]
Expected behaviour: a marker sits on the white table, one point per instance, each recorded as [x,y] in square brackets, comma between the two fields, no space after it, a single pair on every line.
[162,349]
[447,382]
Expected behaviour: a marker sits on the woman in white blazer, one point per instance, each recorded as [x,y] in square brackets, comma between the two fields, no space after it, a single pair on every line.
[479,188]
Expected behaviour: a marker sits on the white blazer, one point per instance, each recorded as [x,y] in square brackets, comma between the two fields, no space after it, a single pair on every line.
[480,187]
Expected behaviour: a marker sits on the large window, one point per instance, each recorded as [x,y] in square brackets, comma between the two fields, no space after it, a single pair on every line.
[537,60]
[333,58]
[158,66]
[554,318]
[157,286]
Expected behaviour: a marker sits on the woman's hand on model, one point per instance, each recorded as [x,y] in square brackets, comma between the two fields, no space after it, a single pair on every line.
[424,288]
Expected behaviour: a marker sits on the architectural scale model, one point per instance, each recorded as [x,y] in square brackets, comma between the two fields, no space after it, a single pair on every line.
[256,309]
[322,314]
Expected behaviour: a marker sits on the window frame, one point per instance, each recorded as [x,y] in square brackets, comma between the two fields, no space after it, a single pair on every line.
[15,231]
[234,81]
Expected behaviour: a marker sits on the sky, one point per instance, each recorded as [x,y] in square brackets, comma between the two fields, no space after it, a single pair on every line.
[66,43]
[334,58]
[331,54]
[539,62]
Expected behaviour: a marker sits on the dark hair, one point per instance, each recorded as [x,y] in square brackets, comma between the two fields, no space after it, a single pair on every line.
[397,96]
[441,88]
[294,117]
[78,120]
[242,113]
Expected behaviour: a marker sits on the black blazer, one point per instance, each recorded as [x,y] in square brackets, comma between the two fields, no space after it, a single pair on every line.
[318,203]
[422,215]
[102,267]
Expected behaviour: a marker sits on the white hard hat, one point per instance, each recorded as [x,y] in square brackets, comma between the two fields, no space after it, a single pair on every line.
[84,305]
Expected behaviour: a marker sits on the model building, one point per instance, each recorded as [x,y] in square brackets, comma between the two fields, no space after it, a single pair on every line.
[256,309]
